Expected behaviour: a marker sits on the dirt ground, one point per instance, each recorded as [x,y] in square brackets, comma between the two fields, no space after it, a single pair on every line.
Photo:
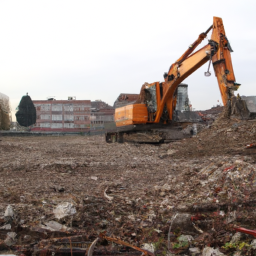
[59,193]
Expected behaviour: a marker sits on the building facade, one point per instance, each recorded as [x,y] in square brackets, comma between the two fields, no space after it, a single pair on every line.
[101,114]
[62,115]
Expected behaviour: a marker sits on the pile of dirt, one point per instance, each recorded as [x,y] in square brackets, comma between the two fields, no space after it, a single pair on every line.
[187,197]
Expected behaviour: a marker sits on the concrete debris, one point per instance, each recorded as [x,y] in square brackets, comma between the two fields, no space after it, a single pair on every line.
[209,251]
[61,193]
[194,251]
[10,239]
[185,238]
[64,209]
[9,213]
[236,238]
[148,247]
[253,244]
[54,226]
[7,227]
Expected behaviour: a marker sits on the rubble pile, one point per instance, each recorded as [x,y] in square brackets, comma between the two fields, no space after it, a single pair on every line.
[196,196]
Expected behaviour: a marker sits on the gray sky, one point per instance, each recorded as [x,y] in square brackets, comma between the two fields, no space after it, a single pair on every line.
[99,49]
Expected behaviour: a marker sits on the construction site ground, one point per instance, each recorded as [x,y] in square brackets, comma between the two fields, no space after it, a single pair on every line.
[186,197]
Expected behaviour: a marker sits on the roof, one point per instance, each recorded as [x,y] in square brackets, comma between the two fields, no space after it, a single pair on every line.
[100,105]
[125,99]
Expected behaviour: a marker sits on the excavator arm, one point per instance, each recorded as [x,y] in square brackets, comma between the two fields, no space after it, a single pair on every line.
[218,50]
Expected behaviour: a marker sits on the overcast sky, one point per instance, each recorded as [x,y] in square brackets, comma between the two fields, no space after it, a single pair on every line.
[99,49]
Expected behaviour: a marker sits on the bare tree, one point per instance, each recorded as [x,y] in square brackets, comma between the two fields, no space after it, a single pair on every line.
[5,111]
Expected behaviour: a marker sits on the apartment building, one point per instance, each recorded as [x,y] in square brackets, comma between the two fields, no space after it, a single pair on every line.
[62,115]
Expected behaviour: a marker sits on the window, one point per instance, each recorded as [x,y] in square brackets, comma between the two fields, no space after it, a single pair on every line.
[56,107]
[68,107]
[68,125]
[45,125]
[45,117]
[45,107]
[68,117]
[56,117]
[56,125]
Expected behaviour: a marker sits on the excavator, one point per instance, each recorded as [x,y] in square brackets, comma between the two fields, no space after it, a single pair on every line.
[150,118]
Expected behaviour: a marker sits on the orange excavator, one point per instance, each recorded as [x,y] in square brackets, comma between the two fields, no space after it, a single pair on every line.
[152,114]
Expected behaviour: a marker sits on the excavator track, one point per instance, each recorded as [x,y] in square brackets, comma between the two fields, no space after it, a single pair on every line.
[151,134]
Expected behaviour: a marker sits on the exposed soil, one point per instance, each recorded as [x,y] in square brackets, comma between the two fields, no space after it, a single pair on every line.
[132,191]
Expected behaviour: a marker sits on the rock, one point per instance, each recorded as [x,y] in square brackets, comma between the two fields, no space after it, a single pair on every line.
[171,151]
[27,238]
[58,188]
[165,187]
[162,194]
[133,165]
